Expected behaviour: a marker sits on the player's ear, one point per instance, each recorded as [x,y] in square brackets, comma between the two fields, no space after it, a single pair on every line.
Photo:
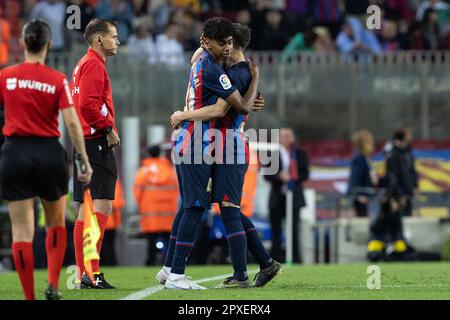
[49,45]
[22,43]
[207,43]
[99,40]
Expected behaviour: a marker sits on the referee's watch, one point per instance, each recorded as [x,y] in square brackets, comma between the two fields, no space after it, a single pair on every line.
[108,131]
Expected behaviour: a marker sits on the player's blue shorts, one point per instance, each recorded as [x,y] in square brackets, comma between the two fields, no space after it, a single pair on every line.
[195,184]
[228,180]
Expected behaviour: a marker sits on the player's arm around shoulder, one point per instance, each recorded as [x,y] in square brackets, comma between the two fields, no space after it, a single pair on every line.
[217,110]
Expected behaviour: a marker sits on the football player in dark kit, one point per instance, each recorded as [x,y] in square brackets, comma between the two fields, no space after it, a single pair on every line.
[33,162]
[228,178]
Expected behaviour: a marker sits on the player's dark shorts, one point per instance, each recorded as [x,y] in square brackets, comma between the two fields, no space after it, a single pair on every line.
[195,184]
[228,180]
[32,166]
[104,177]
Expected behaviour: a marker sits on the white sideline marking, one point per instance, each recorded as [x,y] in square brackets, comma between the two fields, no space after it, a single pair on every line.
[149,291]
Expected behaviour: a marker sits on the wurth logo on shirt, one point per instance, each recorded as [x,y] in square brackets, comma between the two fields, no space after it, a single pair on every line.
[11,84]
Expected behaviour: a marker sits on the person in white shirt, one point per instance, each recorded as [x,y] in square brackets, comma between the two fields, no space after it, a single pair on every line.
[53,12]
[141,46]
[170,50]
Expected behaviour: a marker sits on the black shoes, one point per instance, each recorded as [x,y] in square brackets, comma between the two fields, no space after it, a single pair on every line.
[99,282]
[266,275]
[52,293]
[232,282]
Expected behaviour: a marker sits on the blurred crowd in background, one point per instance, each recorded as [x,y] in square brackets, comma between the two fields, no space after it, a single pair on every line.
[153,28]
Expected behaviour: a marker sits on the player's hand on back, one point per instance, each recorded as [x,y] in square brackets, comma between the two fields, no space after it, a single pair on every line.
[176,119]
[254,69]
[259,103]
[113,139]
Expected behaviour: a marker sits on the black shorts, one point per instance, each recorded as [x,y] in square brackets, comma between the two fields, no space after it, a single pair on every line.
[31,167]
[104,177]
[228,180]
[194,181]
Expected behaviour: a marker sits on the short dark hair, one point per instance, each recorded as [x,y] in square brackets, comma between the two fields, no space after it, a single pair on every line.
[242,36]
[218,28]
[97,26]
[36,34]
[399,135]
[154,151]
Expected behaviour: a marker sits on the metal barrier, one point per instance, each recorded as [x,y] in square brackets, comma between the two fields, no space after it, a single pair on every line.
[321,95]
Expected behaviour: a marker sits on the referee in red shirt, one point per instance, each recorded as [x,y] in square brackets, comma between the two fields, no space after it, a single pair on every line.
[33,162]
[91,91]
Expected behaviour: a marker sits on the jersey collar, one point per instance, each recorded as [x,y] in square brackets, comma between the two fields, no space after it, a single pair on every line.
[92,53]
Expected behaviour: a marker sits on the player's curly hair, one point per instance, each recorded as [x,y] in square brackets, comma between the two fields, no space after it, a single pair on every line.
[218,28]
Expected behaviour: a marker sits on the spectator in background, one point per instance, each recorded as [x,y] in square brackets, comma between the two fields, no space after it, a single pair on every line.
[356,7]
[297,14]
[244,17]
[194,5]
[440,7]
[318,40]
[397,10]
[355,39]
[156,194]
[417,39]
[160,11]
[54,12]
[389,38]
[361,177]
[292,173]
[274,34]
[141,46]
[190,28]
[5,35]
[328,13]
[140,7]
[431,29]
[119,11]
[170,50]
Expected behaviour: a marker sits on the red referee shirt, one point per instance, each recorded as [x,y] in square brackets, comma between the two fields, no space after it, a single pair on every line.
[32,94]
[92,95]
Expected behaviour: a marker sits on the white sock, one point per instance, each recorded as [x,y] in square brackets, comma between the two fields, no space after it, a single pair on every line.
[175,277]
[166,269]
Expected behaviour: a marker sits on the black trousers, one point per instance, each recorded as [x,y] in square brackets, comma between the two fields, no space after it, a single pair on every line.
[277,214]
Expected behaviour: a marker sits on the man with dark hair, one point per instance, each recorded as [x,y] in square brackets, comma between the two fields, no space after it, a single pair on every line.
[228,178]
[387,225]
[208,82]
[411,169]
[91,91]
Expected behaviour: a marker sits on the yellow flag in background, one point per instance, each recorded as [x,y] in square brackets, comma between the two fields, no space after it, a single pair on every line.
[91,234]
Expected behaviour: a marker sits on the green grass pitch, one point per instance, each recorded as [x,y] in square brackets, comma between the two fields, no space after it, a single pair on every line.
[318,282]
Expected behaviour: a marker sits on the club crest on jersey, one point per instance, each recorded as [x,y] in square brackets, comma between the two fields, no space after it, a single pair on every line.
[225,82]
[11,83]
